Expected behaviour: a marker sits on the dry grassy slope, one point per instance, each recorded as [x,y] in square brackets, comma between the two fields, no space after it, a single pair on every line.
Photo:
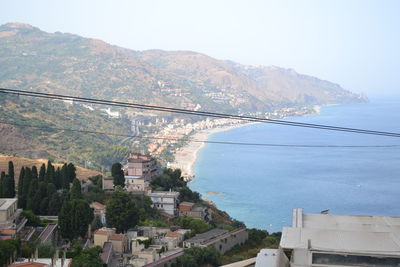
[20,162]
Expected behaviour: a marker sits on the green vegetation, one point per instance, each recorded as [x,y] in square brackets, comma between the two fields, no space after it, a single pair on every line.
[88,257]
[196,257]
[118,174]
[7,251]
[96,151]
[172,179]
[7,182]
[197,226]
[124,210]
[74,218]
[258,239]
[38,192]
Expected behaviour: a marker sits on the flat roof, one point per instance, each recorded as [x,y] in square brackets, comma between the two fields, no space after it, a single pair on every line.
[5,203]
[163,194]
[204,237]
[377,235]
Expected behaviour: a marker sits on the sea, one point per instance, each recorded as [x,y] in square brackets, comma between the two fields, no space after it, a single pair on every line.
[261,185]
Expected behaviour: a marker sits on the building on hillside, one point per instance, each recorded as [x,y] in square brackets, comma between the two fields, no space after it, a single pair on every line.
[336,240]
[102,235]
[220,239]
[136,184]
[108,183]
[166,201]
[11,223]
[99,210]
[192,210]
[120,243]
[141,166]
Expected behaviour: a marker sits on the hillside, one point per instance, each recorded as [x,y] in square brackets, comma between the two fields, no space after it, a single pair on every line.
[64,63]
[70,64]
[20,162]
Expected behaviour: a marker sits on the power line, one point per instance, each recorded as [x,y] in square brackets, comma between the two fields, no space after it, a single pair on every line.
[192,112]
[200,141]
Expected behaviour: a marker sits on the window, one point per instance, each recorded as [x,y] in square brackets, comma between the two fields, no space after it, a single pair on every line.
[354,260]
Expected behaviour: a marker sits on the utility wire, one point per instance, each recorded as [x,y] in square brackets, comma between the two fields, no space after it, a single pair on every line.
[192,112]
[199,141]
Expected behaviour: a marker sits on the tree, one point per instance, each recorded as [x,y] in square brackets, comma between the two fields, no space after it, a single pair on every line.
[118,174]
[122,211]
[42,172]
[74,218]
[12,179]
[96,224]
[198,256]
[57,179]
[26,185]
[33,220]
[35,174]
[49,173]
[31,203]
[71,172]
[64,177]
[88,257]
[55,204]
[76,190]
[20,186]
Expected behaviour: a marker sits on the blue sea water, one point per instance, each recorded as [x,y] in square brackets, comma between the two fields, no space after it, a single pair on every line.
[261,185]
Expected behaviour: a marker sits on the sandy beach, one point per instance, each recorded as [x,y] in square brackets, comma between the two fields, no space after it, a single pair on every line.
[187,155]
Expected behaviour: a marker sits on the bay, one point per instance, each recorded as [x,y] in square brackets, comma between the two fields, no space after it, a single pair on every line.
[261,185]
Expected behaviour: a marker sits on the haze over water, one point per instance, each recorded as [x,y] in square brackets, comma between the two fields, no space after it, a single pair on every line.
[261,185]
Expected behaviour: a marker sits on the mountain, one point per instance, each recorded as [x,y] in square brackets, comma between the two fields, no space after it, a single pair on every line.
[70,64]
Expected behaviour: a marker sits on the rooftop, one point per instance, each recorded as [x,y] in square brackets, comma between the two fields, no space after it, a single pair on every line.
[44,235]
[163,194]
[5,203]
[186,204]
[97,205]
[118,237]
[204,237]
[378,235]
[107,252]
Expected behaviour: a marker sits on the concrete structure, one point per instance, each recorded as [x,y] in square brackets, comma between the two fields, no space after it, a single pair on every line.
[152,231]
[192,210]
[220,239]
[102,235]
[137,244]
[136,184]
[166,201]
[245,263]
[11,222]
[120,243]
[49,235]
[108,183]
[167,260]
[337,240]
[42,262]
[107,253]
[141,166]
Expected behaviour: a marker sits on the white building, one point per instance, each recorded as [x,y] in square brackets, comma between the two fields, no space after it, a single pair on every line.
[336,240]
[167,201]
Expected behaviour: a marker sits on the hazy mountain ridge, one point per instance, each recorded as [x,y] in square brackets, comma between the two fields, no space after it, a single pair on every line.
[70,64]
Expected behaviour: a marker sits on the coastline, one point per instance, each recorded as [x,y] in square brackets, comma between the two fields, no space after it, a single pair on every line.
[186,156]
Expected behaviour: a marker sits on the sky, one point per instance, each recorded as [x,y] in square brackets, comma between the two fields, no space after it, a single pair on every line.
[354,43]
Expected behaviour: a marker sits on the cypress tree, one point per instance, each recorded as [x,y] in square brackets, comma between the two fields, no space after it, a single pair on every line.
[26,185]
[55,204]
[64,177]
[118,174]
[57,178]
[74,218]
[34,172]
[31,203]
[12,179]
[71,172]
[49,173]
[76,190]
[42,172]
[2,181]
[20,186]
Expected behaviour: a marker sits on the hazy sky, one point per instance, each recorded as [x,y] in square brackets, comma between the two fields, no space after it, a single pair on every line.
[352,42]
